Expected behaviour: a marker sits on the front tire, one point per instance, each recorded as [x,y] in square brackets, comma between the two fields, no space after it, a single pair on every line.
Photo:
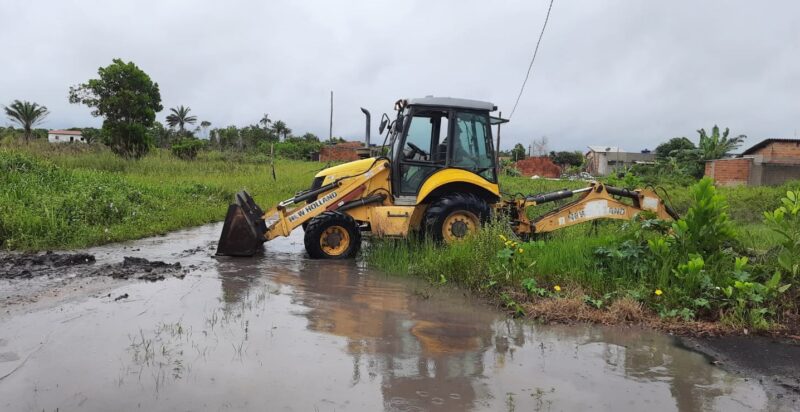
[454,217]
[332,235]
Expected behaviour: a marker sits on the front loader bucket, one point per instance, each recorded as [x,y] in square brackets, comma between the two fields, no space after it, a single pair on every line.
[243,231]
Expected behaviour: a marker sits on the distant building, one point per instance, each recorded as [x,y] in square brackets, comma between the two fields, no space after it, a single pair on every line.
[603,160]
[65,136]
[770,162]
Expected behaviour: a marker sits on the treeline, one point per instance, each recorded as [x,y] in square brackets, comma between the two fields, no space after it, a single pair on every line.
[128,100]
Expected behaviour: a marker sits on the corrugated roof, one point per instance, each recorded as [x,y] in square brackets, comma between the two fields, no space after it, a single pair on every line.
[67,132]
[765,142]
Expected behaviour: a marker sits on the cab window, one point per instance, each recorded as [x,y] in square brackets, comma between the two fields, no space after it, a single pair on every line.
[472,146]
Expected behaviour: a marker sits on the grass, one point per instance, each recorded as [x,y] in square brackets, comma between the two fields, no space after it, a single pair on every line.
[71,196]
[612,267]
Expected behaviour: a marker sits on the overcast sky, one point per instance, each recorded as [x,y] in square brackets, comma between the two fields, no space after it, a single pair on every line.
[628,73]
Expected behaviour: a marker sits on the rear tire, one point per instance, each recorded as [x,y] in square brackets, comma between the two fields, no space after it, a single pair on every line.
[454,217]
[332,235]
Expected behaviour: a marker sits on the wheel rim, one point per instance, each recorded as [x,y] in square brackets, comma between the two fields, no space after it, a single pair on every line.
[459,225]
[335,240]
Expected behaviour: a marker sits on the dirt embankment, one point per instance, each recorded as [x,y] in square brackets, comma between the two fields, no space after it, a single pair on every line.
[82,265]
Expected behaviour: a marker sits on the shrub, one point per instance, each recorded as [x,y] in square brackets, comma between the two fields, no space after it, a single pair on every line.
[187,149]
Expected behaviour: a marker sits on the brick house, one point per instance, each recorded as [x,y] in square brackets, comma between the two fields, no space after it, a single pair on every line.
[540,166]
[770,162]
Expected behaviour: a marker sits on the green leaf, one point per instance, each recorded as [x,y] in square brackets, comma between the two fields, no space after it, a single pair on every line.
[784,288]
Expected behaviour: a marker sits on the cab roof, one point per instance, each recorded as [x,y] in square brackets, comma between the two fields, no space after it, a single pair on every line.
[452,102]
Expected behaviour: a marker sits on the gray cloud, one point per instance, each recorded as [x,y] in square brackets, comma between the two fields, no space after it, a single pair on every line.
[625,73]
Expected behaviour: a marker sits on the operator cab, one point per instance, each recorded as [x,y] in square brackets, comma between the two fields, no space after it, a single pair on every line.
[434,133]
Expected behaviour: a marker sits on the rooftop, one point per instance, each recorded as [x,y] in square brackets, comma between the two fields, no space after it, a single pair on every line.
[605,149]
[453,102]
[67,132]
[766,142]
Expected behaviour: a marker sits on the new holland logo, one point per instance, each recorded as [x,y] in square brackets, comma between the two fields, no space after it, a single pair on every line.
[311,206]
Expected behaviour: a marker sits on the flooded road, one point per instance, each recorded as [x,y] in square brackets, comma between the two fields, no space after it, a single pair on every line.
[281,332]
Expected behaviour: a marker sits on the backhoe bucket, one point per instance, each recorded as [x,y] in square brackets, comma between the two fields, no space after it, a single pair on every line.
[244,228]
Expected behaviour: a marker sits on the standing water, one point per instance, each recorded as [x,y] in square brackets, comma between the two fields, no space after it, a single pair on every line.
[282,332]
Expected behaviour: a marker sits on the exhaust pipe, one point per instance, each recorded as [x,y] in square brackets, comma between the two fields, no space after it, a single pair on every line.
[366,113]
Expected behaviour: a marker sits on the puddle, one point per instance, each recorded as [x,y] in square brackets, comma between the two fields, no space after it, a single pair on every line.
[281,332]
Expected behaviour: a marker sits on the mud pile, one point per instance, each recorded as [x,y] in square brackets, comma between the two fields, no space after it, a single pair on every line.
[27,266]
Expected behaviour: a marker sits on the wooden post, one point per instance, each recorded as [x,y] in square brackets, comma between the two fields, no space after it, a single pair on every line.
[272,159]
[330,130]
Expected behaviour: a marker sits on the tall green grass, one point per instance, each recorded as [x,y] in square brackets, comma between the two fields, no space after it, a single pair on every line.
[69,196]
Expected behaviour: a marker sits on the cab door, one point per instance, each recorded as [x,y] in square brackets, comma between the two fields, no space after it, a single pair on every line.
[472,148]
[422,150]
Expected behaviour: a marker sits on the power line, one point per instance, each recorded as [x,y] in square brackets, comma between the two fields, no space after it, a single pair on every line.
[535,51]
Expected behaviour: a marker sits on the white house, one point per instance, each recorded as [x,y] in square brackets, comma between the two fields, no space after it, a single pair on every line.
[64,136]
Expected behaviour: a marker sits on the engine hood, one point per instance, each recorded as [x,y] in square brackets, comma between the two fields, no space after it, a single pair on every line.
[347,169]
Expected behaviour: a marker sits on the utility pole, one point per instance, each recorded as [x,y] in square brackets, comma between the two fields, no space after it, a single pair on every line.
[330,130]
[530,149]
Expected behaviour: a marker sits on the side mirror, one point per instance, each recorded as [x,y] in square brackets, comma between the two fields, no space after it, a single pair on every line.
[384,122]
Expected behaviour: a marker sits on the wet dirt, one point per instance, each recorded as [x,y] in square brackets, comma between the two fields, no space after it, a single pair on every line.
[281,332]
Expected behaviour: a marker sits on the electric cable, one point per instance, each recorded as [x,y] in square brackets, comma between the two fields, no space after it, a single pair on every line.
[530,66]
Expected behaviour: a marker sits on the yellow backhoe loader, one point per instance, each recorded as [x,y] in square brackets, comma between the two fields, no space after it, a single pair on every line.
[438,178]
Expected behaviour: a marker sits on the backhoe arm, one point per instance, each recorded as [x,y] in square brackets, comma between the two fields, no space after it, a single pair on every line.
[596,201]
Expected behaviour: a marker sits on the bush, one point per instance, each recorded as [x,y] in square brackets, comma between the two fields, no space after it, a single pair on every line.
[187,149]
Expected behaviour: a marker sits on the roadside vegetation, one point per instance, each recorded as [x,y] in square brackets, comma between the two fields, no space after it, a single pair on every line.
[69,196]
[734,263]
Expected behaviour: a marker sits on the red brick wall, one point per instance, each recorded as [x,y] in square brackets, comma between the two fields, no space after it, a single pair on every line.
[781,152]
[539,166]
[342,152]
[729,171]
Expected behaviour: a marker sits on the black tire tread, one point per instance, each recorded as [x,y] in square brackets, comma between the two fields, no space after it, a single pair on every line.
[318,224]
[443,206]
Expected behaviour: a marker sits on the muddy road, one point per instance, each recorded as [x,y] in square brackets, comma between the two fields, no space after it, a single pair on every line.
[281,332]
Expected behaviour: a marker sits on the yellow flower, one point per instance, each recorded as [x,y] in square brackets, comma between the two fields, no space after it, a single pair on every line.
[520,250]
[659,292]
[557,288]
[503,238]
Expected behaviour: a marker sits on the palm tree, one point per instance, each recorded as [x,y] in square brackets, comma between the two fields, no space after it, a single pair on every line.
[716,146]
[26,114]
[180,117]
[265,121]
[279,127]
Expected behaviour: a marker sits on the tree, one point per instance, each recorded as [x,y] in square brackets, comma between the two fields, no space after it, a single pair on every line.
[540,146]
[310,137]
[265,121]
[566,159]
[279,127]
[90,134]
[180,117]
[128,101]
[205,124]
[518,152]
[673,147]
[26,114]
[717,146]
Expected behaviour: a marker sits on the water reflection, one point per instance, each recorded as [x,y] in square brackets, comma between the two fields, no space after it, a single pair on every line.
[449,354]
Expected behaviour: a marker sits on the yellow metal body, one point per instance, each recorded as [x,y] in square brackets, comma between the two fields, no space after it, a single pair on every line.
[345,169]
[363,179]
[596,203]
[447,176]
